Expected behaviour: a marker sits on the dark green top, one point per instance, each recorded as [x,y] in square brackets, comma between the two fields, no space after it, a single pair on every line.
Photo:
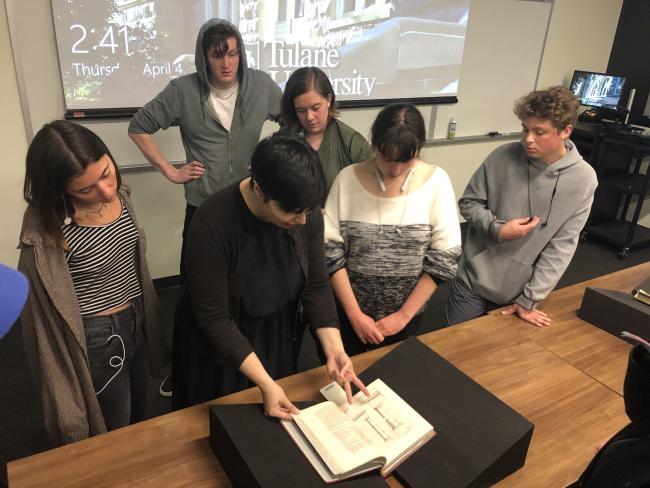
[341,147]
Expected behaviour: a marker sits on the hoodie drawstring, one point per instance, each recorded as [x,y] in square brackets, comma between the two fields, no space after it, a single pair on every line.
[550,205]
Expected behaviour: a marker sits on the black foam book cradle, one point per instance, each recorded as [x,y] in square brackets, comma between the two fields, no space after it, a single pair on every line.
[479,439]
[615,311]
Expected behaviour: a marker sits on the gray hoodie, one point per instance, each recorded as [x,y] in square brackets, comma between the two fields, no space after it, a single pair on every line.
[509,185]
[185,102]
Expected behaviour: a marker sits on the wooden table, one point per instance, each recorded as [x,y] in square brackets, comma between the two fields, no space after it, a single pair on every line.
[588,348]
[566,379]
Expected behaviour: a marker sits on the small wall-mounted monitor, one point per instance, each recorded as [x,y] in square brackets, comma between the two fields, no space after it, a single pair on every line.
[597,89]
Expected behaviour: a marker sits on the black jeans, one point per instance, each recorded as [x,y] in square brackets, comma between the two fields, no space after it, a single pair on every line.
[463,304]
[189,213]
[119,364]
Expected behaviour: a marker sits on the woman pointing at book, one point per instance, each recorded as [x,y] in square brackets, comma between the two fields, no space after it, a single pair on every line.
[255,254]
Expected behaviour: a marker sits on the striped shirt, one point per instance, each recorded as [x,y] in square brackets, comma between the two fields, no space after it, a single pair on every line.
[102,263]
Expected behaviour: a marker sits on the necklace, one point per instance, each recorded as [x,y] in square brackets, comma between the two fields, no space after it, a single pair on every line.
[97,212]
[398,230]
[403,188]
[225,94]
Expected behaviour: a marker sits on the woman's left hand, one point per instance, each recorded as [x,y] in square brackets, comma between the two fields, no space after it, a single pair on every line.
[392,324]
[340,369]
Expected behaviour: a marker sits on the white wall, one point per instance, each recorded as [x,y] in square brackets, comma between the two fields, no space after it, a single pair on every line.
[573,43]
[580,36]
[13,142]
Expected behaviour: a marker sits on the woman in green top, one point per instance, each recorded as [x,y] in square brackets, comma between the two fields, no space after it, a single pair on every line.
[308,108]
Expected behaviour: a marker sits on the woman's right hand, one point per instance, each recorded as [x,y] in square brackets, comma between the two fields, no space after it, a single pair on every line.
[366,329]
[276,403]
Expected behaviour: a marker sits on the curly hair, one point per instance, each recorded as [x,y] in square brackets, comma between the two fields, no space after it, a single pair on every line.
[556,104]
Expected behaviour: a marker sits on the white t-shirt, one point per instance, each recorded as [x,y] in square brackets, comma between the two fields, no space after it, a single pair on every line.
[223,102]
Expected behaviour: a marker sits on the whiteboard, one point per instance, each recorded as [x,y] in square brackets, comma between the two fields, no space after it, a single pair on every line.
[503,49]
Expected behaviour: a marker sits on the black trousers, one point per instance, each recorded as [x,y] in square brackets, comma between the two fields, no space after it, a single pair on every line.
[463,304]
[189,213]
[353,344]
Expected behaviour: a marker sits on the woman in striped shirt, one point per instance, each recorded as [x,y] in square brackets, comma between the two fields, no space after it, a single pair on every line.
[92,328]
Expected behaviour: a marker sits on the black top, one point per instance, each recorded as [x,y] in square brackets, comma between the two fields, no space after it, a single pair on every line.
[274,278]
[269,306]
[221,251]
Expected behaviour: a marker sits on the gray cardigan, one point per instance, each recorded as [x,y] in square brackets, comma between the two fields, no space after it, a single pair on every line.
[54,339]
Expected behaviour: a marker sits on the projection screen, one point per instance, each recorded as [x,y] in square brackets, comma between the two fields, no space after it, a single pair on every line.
[116,55]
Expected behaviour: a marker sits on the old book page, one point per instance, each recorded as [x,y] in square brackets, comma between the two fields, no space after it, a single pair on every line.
[379,429]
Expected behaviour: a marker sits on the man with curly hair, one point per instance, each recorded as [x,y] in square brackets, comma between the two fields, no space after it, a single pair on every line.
[525,205]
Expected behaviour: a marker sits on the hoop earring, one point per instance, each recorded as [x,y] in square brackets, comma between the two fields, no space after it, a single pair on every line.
[67,220]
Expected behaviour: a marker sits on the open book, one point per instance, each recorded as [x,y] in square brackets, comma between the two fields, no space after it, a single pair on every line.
[342,440]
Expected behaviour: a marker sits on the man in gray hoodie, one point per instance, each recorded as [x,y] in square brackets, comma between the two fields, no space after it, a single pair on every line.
[220,110]
[525,205]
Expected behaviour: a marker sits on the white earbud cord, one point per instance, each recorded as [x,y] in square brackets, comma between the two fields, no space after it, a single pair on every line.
[114,362]
[67,220]
[403,188]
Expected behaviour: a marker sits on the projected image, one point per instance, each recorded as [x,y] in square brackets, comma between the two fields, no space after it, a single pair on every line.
[597,90]
[121,53]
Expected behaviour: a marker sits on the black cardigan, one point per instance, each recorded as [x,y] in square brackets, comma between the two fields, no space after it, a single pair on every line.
[219,248]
